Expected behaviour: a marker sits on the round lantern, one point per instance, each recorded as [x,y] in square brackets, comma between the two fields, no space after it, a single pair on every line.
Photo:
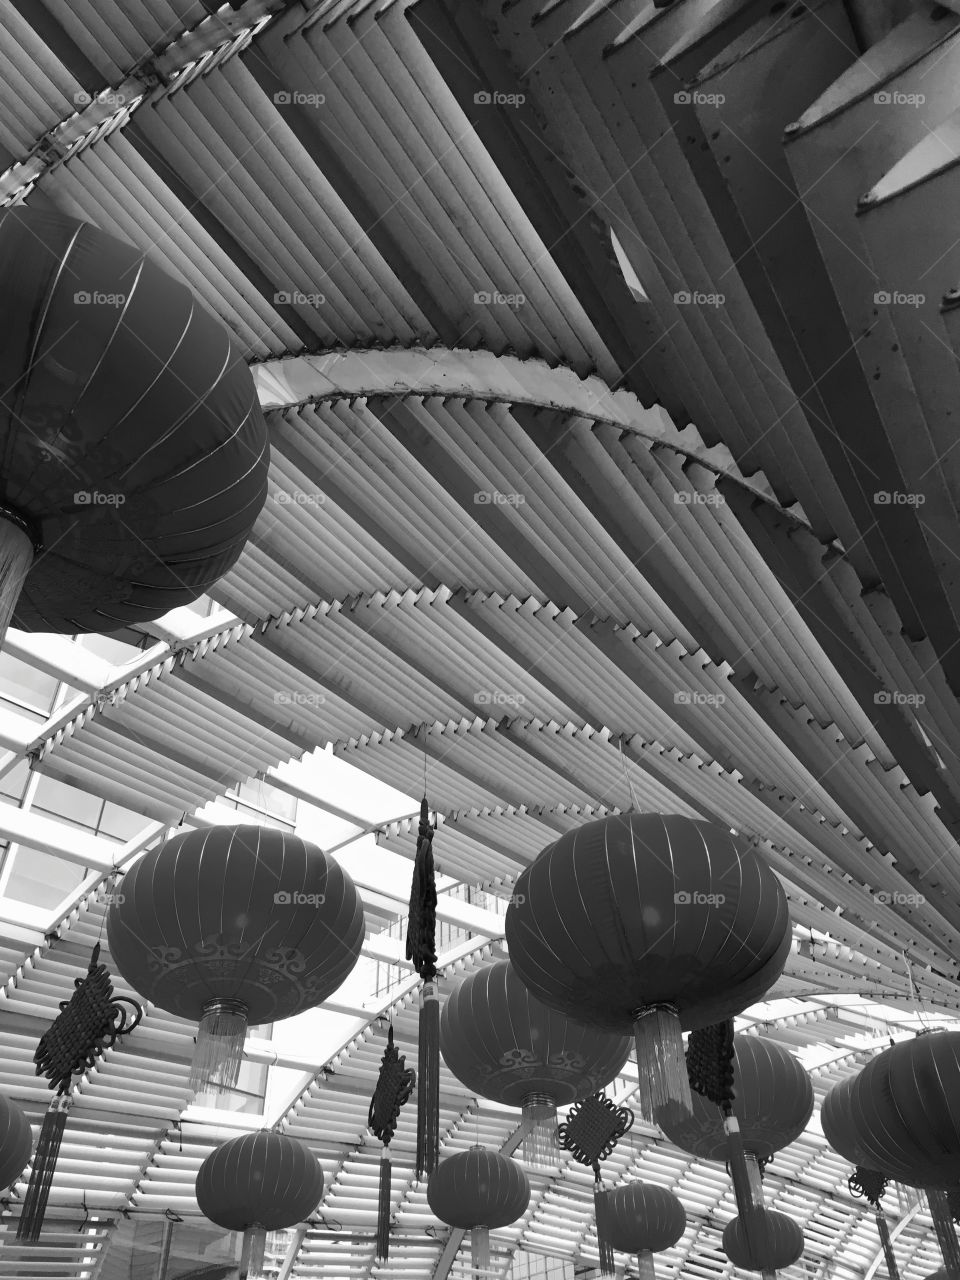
[475,1191]
[134,450]
[16,1142]
[836,1120]
[905,1111]
[232,926]
[257,1183]
[652,923]
[503,1044]
[775,1241]
[773,1102]
[644,1219]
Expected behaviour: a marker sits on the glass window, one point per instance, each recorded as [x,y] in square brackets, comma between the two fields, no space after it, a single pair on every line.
[25,685]
[40,879]
[14,783]
[109,648]
[63,801]
[119,823]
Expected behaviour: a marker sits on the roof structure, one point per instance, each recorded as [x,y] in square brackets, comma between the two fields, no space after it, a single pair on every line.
[612,465]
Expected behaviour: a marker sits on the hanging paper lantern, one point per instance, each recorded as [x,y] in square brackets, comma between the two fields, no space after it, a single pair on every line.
[16,1142]
[773,1103]
[836,1120]
[904,1110]
[257,1183]
[134,450]
[644,1219]
[503,1044]
[651,923]
[478,1191]
[773,1242]
[234,926]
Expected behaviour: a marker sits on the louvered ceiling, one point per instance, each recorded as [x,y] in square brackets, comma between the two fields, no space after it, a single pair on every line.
[581,383]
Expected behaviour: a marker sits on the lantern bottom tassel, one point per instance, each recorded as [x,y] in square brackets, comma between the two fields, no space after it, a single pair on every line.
[893,1271]
[383,1207]
[42,1170]
[541,1144]
[601,1208]
[946,1233]
[219,1051]
[645,1265]
[664,1091]
[480,1251]
[16,557]
[428,1081]
[254,1249]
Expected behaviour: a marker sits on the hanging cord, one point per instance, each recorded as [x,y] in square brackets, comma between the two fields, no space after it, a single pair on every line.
[635,807]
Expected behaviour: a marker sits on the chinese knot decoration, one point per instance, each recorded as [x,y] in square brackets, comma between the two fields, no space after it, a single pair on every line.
[395,1084]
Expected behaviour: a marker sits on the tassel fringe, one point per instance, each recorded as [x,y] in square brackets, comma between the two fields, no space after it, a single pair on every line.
[44,1165]
[254,1248]
[893,1271]
[383,1207]
[645,1265]
[219,1051]
[480,1252]
[664,1090]
[602,1211]
[541,1144]
[428,1082]
[946,1232]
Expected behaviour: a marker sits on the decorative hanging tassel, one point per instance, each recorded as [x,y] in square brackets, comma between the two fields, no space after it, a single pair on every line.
[219,1052]
[44,1164]
[395,1084]
[946,1233]
[383,1206]
[541,1144]
[16,557]
[601,1206]
[645,1265]
[254,1249]
[872,1186]
[664,1086]
[421,950]
[480,1251]
[893,1271]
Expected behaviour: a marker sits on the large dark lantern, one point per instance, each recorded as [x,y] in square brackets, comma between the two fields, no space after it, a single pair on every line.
[477,1191]
[133,452]
[504,1044]
[649,923]
[644,1219]
[771,1242]
[234,926]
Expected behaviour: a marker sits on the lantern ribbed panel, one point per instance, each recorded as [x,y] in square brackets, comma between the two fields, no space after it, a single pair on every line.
[196,921]
[642,1216]
[478,1188]
[16,1142]
[836,1119]
[504,1044]
[773,1103]
[132,439]
[263,1179]
[779,1242]
[904,1110]
[641,909]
